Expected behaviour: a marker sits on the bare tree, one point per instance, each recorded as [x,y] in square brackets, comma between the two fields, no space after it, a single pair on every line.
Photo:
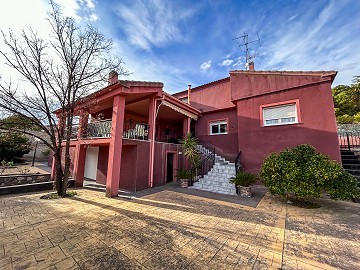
[62,69]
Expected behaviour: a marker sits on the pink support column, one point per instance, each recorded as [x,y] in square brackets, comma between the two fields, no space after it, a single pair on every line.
[115,148]
[80,151]
[186,126]
[79,165]
[152,121]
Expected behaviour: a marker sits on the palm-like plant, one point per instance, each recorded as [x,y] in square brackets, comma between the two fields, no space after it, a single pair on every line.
[189,144]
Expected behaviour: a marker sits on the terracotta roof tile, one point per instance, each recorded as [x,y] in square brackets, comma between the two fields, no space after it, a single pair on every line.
[129,83]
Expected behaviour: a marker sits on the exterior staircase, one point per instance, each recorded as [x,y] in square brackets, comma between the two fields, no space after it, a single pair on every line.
[351,163]
[217,179]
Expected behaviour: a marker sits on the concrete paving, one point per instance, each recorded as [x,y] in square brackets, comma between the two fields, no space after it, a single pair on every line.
[171,229]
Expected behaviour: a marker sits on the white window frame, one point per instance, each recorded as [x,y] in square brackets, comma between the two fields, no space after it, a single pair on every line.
[282,120]
[218,123]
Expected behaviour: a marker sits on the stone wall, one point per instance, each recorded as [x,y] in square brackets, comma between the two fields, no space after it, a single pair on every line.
[13,180]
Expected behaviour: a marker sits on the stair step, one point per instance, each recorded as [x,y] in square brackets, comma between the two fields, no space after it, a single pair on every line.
[217,178]
[351,166]
[343,151]
[351,161]
[349,157]
[354,172]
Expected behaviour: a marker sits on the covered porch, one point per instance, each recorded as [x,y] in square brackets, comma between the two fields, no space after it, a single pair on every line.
[115,138]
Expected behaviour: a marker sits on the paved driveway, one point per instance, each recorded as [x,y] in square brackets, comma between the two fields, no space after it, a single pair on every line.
[169,229]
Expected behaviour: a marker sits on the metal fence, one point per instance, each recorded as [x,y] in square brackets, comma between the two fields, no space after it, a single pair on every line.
[349,136]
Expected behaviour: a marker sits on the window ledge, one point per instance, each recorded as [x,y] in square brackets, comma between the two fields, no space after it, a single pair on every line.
[285,124]
[219,134]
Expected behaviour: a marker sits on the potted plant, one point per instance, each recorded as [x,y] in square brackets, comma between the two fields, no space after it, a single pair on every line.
[183,175]
[243,181]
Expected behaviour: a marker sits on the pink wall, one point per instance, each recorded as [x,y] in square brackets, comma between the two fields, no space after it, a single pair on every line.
[160,161]
[249,84]
[226,144]
[209,97]
[102,164]
[318,126]
[134,165]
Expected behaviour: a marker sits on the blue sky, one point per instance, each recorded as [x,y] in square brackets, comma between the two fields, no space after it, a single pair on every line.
[191,42]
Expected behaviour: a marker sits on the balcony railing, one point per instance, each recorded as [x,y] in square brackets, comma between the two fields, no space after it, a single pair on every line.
[98,129]
[102,129]
[138,131]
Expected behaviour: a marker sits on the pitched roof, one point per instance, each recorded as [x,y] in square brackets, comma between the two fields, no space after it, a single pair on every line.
[331,73]
[204,85]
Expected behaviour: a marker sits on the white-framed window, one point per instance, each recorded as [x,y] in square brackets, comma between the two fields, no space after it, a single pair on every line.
[218,127]
[280,115]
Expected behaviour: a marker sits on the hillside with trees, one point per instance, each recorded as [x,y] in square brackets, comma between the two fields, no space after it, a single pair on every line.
[347,102]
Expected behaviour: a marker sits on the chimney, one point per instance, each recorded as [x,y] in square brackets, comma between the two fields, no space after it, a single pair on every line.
[251,66]
[189,91]
[113,77]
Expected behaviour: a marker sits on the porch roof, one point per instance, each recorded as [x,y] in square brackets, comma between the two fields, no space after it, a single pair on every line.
[135,91]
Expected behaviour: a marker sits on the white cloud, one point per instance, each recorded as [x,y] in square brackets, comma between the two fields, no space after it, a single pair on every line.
[23,19]
[93,17]
[327,44]
[205,66]
[240,61]
[151,23]
[90,4]
[69,8]
[226,62]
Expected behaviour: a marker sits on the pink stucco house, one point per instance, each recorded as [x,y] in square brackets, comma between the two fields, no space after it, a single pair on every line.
[128,131]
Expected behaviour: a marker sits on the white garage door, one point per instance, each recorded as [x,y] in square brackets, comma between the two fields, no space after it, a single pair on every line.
[91,162]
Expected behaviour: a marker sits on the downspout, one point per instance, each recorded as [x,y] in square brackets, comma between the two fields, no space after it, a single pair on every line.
[152,142]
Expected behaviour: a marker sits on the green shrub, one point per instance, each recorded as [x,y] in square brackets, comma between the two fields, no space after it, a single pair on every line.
[305,173]
[244,179]
[183,174]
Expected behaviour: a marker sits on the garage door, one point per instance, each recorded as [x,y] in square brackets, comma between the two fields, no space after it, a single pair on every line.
[91,162]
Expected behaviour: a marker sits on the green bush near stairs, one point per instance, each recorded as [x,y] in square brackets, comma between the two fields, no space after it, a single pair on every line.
[303,172]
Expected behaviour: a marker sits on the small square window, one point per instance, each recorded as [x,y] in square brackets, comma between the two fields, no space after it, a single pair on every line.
[219,127]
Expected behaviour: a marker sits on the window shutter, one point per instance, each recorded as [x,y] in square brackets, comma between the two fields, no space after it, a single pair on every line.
[280,112]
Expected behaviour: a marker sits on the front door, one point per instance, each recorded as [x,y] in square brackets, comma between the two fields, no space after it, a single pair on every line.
[170,168]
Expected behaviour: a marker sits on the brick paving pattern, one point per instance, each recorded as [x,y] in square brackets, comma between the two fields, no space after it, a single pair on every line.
[173,230]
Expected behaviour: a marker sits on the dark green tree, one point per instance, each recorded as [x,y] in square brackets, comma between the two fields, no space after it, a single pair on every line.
[19,122]
[13,146]
[347,102]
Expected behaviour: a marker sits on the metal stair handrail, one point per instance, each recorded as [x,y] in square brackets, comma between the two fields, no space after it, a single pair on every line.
[204,166]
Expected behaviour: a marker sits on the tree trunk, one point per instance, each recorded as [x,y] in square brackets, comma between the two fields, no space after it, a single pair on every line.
[58,179]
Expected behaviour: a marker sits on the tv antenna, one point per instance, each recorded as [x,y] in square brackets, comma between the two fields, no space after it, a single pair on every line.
[245,43]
